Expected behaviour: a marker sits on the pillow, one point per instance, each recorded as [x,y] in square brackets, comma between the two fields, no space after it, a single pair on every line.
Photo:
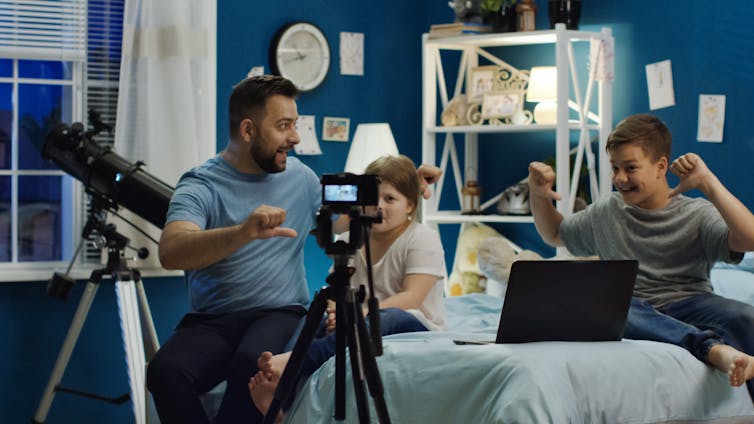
[747,263]
[466,277]
[733,283]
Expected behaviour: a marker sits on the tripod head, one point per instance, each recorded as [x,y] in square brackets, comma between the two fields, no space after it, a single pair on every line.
[107,236]
[358,230]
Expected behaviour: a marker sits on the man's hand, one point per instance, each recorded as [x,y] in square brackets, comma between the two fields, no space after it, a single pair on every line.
[264,222]
[541,178]
[693,172]
[428,174]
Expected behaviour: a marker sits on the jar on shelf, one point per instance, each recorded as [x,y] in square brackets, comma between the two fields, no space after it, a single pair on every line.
[471,194]
[527,12]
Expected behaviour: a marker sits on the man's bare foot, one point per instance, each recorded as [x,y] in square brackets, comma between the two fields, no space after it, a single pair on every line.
[738,365]
[262,392]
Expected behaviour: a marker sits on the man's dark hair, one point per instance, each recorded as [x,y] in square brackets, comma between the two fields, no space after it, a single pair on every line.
[250,95]
[644,130]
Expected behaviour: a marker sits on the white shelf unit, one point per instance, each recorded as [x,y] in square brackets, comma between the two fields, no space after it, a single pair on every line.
[473,48]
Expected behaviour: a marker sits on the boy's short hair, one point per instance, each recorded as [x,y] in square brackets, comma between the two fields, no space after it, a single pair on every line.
[399,171]
[645,130]
[250,95]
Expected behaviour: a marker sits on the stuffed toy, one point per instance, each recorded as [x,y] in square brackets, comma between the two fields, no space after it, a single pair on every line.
[466,276]
[495,257]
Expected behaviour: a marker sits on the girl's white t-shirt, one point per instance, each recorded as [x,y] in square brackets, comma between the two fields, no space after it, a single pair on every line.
[417,251]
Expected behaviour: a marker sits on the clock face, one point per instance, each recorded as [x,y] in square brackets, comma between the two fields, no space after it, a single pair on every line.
[300,53]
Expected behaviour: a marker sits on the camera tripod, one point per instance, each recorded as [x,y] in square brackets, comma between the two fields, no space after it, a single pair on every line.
[350,327]
[133,311]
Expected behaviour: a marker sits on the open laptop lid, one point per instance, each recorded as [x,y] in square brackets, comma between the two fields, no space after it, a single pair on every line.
[567,301]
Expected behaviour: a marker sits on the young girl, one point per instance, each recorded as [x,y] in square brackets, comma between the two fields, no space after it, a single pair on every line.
[408,266]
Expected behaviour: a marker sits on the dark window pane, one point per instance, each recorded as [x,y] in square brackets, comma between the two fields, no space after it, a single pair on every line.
[5,253]
[6,67]
[44,69]
[6,121]
[39,109]
[39,220]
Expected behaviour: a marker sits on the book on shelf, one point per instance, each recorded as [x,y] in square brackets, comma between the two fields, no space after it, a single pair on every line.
[457,28]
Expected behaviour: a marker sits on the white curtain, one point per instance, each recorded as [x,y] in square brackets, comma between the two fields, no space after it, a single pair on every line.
[166,99]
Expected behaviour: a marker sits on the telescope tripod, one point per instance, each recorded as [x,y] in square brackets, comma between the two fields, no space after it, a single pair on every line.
[350,327]
[133,311]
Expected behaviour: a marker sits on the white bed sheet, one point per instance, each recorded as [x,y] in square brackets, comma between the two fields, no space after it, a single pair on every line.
[428,379]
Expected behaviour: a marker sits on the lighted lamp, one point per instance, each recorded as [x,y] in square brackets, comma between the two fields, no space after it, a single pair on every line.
[543,88]
[370,142]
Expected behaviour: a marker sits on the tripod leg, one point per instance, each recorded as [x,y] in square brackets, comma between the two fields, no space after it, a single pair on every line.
[287,384]
[341,327]
[151,343]
[65,352]
[374,381]
[128,310]
[356,346]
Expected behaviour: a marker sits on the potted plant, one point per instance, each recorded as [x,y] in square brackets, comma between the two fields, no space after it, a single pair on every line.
[501,14]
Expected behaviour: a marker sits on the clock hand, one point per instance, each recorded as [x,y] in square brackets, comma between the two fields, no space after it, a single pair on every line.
[299,56]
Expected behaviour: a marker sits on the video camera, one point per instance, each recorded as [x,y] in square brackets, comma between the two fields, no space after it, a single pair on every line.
[346,194]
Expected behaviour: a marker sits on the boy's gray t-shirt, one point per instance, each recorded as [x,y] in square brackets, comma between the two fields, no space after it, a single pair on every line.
[676,246]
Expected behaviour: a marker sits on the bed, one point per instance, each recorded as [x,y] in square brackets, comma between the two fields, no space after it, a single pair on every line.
[429,379]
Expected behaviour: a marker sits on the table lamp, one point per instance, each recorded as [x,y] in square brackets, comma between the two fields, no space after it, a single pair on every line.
[543,88]
[370,142]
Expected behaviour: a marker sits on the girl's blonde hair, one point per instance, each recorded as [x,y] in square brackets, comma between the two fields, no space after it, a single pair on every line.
[399,171]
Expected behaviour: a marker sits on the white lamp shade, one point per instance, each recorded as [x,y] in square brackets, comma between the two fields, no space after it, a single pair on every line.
[370,142]
[543,88]
[543,84]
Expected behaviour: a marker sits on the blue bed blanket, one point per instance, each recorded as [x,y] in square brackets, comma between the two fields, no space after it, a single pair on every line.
[429,379]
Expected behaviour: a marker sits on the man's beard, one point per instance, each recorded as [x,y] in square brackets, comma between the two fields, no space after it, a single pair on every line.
[266,161]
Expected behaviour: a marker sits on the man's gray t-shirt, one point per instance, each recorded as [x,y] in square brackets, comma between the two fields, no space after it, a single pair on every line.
[676,246]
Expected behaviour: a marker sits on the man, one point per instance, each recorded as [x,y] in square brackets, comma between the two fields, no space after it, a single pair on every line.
[676,240]
[244,268]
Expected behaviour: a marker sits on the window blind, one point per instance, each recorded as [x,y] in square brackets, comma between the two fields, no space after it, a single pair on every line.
[104,42]
[44,30]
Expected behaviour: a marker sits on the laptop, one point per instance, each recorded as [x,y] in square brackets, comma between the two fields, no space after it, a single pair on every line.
[579,300]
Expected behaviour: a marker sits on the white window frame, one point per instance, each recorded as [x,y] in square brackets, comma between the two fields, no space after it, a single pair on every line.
[51,31]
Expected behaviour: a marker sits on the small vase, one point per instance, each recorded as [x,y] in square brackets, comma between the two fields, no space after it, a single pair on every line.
[564,11]
[503,20]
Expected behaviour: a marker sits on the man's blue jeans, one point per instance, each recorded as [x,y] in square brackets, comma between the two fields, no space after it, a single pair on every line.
[696,324]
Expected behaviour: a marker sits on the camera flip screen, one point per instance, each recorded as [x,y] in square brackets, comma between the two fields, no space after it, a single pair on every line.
[341,193]
[346,190]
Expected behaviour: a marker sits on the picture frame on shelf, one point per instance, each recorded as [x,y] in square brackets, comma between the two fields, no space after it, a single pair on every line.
[335,129]
[502,104]
[482,81]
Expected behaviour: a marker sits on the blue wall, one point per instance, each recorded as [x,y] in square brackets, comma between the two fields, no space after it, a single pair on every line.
[711,51]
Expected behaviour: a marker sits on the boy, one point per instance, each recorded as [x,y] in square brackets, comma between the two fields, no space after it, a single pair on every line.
[676,240]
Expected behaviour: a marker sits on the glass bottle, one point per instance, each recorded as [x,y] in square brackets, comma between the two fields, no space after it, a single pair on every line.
[526,11]
[471,194]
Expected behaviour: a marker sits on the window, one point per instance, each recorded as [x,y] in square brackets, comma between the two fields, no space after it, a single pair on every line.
[57,60]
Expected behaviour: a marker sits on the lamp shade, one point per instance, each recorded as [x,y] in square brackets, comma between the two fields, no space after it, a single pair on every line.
[543,88]
[543,84]
[370,142]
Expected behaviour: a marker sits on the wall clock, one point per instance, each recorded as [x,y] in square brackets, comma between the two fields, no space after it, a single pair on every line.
[299,52]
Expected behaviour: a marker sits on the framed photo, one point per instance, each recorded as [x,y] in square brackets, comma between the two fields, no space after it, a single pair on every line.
[502,104]
[481,81]
[335,129]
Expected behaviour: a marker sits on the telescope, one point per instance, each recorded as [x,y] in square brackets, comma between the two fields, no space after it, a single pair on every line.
[111,181]
[106,175]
